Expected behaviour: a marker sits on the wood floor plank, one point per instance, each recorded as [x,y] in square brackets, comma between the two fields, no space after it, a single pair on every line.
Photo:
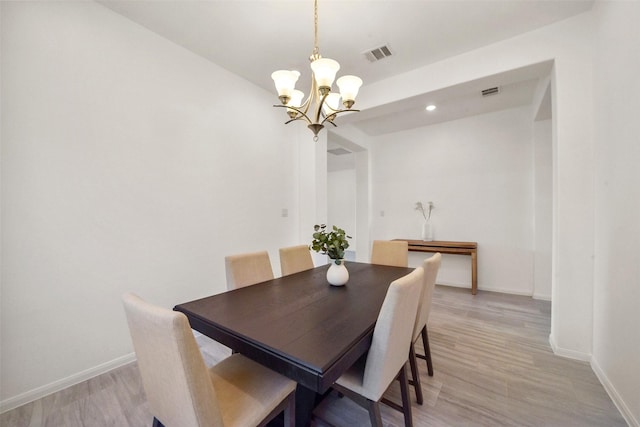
[492,361]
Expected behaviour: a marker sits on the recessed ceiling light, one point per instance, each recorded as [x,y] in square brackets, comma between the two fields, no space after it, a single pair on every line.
[431,107]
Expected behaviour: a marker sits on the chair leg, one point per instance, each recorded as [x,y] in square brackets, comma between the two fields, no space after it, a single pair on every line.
[157,423]
[427,350]
[415,374]
[372,407]
[374,413]
[406,401]
[290,411]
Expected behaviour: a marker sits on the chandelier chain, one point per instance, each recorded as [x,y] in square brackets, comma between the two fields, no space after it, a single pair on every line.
[316,51]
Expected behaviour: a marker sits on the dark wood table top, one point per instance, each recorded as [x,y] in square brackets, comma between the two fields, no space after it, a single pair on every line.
[299,325]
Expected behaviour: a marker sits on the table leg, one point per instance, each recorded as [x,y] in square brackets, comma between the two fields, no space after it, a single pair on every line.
[305,403]
[306,400]
[474,272]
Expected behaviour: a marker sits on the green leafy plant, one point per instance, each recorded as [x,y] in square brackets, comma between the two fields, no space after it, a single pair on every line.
[332,243]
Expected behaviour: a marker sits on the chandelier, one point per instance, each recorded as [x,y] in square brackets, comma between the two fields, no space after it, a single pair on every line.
[322,105]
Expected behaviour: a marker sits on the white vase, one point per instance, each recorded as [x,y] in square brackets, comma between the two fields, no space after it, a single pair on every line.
[337,274]
[427,231]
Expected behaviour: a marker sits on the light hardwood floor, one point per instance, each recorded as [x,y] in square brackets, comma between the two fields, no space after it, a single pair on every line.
[492,362]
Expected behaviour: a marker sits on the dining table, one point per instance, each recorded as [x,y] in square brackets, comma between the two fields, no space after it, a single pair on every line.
[299,325]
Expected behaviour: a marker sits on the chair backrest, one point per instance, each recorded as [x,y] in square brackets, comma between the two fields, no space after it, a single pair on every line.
[390,252]
[294,259]
[174,375]
[392,334]
[431,266]
[247,269]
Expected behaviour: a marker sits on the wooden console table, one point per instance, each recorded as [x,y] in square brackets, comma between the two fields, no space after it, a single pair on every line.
[455,248]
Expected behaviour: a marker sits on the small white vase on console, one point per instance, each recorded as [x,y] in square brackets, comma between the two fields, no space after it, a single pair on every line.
[337,274]
[427,231]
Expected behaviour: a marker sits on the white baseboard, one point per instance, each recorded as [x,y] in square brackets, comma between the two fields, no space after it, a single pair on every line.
[614,395]
[498,290]
[45,390]
[454,285]
[506,291]
[569,354]
[542,297]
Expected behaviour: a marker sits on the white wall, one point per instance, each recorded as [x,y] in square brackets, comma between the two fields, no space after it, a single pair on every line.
[341,202]
[478,173]
[569,44]
[356,141]
[127,164]
[98,198]
[616,335]
[311,186]
[542,187]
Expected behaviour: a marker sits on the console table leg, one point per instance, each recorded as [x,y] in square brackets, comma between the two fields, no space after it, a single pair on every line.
[453,248]
[474,272]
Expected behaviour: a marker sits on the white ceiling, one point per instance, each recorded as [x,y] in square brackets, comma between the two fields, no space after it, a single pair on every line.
[254,38]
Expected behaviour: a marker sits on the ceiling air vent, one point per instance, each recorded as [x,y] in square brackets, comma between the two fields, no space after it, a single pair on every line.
[491,91]
[378,53]
[338,151]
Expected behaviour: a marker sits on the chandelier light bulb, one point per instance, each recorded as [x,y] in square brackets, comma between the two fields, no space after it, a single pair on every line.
[324,71]
[296,98]
[295,101]
[285,82]
[349,86]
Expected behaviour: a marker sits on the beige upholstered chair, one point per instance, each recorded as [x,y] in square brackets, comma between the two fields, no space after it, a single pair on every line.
[294,259]
[390,252]
[182,392]
[247,269]
[431,266]
[366,381]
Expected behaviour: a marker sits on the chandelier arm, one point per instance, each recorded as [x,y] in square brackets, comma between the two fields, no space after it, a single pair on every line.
[333,111]
[333,115]
[305,105]
[302,114]
[293,120]
[330,121]
[320,104]
[313,93]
